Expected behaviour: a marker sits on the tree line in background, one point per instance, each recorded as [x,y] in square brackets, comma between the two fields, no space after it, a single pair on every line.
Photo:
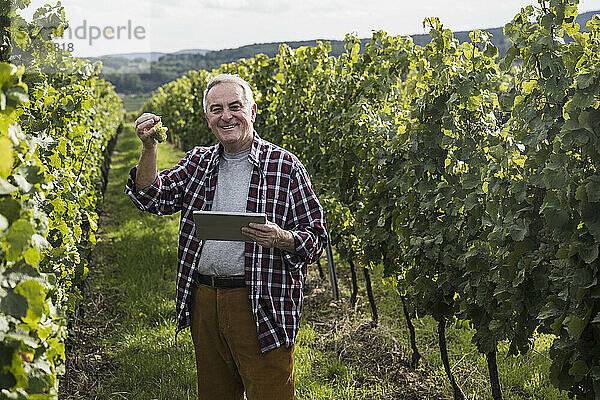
[150,75]
[57,121]
[473,181]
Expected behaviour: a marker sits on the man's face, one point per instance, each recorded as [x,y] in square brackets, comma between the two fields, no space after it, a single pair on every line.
[229,117]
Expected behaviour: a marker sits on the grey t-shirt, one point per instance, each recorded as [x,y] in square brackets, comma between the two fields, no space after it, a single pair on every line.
[219,257]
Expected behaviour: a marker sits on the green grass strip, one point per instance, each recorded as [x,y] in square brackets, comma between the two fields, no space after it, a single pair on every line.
[139,251]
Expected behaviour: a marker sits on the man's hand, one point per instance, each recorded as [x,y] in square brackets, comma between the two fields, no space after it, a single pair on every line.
[144,128]
[146,168]
[270,235]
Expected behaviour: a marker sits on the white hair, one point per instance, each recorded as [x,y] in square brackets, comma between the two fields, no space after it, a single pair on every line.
[229,78]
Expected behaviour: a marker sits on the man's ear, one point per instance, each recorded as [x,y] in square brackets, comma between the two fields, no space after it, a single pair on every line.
[254,112]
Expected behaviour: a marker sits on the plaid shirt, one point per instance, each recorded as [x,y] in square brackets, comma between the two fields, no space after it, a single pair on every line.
[279,187]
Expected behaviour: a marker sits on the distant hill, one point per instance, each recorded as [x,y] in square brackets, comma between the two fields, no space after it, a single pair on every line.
[192,51]
[145,72]
[136,63]
[585,17]
[153,56]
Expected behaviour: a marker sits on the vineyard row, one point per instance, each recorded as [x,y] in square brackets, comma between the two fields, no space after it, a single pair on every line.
[57,121]
[473,181]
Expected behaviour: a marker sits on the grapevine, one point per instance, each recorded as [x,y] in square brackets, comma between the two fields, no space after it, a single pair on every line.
[55,129]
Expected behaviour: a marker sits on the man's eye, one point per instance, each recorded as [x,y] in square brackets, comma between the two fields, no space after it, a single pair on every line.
[235,108]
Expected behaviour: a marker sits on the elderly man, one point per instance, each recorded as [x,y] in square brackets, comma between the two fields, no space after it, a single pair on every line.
[243,300]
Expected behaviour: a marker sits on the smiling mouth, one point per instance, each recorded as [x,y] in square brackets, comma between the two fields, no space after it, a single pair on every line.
[228,127]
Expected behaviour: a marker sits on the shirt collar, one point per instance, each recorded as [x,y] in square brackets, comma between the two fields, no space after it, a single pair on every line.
[256,150]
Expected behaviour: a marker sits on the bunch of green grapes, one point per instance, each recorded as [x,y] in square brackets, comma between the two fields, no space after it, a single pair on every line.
[160,133]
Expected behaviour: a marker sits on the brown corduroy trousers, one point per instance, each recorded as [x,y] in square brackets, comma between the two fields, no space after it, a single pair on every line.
[228,358]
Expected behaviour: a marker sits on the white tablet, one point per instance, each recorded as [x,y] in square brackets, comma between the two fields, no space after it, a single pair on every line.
[220,225]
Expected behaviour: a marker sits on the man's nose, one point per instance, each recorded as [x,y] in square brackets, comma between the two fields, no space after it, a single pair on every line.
[226,115]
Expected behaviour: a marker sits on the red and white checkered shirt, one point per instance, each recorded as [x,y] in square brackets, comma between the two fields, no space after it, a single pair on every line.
[279,187]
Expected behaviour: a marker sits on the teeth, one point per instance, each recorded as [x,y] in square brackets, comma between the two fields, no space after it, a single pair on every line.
[228,127]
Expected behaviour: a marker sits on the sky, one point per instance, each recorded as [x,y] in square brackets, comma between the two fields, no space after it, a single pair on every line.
[127,26]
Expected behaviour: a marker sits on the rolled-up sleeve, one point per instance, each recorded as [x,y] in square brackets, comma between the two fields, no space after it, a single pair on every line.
[145,198]
[306,220]
[165,195]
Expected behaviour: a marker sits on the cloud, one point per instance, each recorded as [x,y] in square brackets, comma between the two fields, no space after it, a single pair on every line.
[258,6]
[335,9]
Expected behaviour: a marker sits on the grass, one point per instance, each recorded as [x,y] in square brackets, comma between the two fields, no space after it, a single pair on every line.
[123,346]
[524,377]
[136,257]
[150,364]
